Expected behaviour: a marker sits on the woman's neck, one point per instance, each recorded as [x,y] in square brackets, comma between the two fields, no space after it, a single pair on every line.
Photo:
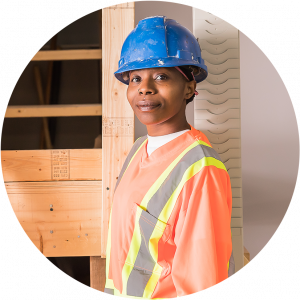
[166,128]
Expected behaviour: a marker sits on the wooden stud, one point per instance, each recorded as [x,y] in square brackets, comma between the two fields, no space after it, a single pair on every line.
[39,86]
[118,116]
[100,67]
[68,54]
[53,45]
[97,273]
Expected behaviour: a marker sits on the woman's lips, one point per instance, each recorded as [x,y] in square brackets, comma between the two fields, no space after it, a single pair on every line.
[147,107]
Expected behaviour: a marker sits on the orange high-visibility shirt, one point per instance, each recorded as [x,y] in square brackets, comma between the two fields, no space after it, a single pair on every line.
[169,232]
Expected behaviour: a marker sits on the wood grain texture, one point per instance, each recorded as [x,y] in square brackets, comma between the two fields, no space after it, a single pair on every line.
[68,54]
[117,23]
[97,273]
[61,218]
[53,110]
[48,165]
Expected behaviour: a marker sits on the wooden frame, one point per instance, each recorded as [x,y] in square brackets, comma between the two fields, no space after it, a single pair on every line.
[46,187]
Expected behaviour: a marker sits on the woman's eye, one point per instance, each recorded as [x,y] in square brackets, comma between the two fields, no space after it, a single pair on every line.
[135,79]
[161,77]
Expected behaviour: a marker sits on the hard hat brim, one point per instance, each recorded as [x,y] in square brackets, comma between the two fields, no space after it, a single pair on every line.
[168,62]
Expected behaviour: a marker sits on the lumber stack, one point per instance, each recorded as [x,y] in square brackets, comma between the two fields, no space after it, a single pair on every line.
[57,197]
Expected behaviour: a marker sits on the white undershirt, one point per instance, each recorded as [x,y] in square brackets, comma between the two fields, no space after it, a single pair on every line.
[155,142]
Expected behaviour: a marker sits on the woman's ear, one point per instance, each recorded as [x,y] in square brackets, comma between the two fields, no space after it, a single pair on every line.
[191,87]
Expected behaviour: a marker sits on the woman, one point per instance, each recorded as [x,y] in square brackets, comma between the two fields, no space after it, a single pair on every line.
[169,232]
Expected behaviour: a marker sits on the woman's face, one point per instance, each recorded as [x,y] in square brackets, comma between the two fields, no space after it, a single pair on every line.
[159,95]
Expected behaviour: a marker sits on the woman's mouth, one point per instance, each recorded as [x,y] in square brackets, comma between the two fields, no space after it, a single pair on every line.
[146,108]
[147,105]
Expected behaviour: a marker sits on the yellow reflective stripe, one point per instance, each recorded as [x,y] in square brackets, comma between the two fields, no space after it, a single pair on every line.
[155,237]
[132,253]
[108,282]
[203,143]
[151,284]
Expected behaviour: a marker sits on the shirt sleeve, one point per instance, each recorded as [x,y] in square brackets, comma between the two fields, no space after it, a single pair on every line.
[202,232]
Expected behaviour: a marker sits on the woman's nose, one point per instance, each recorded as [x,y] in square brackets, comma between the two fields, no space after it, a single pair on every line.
[146,88]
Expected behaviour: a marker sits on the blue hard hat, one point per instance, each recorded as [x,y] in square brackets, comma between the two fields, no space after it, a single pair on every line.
[160,42]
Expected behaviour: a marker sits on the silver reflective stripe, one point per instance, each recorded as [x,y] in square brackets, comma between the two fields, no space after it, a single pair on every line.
[109,291]
[231,269]
[144,263]
[134,148]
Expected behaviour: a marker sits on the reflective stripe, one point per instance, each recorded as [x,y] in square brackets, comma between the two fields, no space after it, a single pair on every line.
[134,150]
[231,263]
[108,282]
[109,291]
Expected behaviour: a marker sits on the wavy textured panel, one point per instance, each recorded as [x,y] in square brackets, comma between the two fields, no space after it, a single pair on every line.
[237,212]
[236,202]
[218,89]
[218,48]
[236,182]
[229,144]
[214,32]
[217,59]
[232,163]
[217,128]
[203,15]
[236,192]
[236,222]
[231,63]
[235,172]
[217,108]
[216,29]
[223,77]
[222,137]
[230,154]
[204,114]
[217,98]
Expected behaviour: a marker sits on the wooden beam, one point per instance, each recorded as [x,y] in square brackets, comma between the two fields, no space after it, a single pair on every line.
[97,273]
[39,87]
[51,165]
[84,54]
[60,110]
[118,116]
